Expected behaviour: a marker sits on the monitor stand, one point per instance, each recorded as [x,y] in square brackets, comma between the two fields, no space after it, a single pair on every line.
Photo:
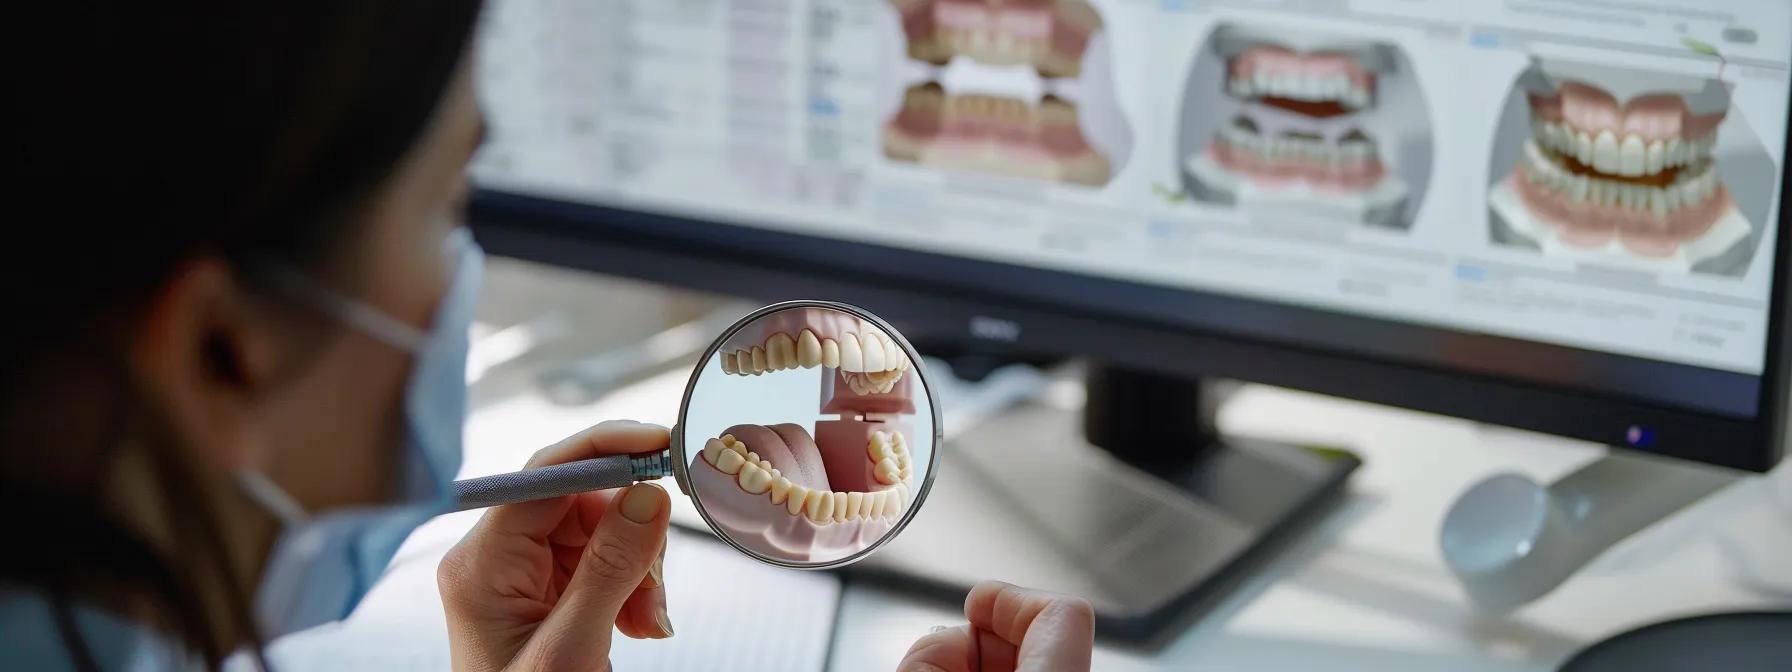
[1165,516]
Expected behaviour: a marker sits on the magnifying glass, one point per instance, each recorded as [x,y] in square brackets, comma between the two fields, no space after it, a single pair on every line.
[807,438]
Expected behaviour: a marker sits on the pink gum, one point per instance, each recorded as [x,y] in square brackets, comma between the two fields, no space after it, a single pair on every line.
[1346,179]
[755,522]
[1652,116]
[1019,20]
[1585,225]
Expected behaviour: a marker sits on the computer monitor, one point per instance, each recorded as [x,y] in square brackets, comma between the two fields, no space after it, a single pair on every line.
[1558,218]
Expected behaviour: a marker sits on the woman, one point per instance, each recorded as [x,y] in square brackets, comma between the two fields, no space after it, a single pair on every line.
[233,383]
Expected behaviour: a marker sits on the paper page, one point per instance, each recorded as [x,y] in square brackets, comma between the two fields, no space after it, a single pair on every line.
[721,604]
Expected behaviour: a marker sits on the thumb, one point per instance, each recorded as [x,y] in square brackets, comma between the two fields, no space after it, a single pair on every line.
[627,540]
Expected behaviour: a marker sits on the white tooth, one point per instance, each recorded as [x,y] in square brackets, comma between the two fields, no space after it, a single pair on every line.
[728,365]
[873,506]
[830,353]
[1634,198]
[1674,152]
[808,350]
[819,505]
[730,462]
[758,359]
[780,490]
[886,471]
[1658,202]
[754,479]
[854,501]
[873,351]
[798,496]
[893,356]
[712,449]
[1632,156]
[776,347]
[1670,197]
[1605,153]
[907,474]
[878,446]
[1577,189]
[852,359]
[1689,193]
[1656,158]
[1260,81]
[839,506]
[1583,148]
[786,345]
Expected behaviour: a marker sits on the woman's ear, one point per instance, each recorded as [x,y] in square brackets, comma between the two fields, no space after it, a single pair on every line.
[206,353]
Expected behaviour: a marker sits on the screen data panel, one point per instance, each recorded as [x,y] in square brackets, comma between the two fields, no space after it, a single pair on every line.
[1472,167]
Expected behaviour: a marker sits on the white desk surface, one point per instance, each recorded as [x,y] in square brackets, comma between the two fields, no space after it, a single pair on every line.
[1366,590]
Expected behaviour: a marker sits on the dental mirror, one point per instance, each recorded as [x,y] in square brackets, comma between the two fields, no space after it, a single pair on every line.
[807,438]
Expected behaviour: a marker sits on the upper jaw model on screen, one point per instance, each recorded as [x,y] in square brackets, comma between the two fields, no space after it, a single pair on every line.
[790,495]
[1621,163]
[982,126]
[1294,135]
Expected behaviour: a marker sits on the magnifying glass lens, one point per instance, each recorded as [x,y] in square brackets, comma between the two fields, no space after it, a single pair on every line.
[808,435]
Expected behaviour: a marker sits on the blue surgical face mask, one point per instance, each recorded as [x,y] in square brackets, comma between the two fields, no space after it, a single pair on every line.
[324,562]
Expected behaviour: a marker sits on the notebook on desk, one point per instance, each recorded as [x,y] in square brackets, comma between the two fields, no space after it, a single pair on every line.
[718,599]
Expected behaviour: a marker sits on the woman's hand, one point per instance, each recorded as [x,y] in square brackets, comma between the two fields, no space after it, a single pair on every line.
[1011,629]
[538,585]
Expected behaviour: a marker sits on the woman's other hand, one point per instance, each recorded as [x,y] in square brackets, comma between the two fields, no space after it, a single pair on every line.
[1011,629]
[539,585]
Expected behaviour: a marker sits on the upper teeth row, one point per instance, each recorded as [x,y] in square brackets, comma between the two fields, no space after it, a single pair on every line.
[868,352]
[1689,189]
[995,45]
[1300,86]
[757,476]
[1630,156]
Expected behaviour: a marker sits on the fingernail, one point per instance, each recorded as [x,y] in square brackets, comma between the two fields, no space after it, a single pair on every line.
[642,502]
[665,623]
[656,570]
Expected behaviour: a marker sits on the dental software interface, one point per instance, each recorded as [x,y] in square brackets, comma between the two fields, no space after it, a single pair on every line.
[1598,175]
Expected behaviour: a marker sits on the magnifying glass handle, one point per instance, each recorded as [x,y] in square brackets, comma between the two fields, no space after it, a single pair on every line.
[598,473]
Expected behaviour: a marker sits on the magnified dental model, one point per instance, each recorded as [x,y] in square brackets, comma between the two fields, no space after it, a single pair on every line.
[807,438]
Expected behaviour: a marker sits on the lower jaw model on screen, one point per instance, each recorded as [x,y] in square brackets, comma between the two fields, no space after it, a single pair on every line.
[788,494]
[994,134]
[1636,178]
[1297,138]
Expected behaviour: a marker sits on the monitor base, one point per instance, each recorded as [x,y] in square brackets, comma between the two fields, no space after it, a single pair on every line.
[1023,498]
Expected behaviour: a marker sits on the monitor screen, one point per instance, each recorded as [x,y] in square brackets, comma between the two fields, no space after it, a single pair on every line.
[1581,195]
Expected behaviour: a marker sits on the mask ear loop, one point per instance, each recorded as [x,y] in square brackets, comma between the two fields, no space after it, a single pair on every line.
[263,490]
[364,318]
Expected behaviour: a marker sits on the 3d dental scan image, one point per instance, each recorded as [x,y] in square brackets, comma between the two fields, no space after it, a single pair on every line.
[1646,169]
[809,434]
[1322,125]
[1016,88]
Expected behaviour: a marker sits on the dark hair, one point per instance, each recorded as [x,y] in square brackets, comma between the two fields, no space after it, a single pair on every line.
[165,132]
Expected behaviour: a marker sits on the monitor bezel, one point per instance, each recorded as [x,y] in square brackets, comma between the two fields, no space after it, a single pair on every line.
[761,263]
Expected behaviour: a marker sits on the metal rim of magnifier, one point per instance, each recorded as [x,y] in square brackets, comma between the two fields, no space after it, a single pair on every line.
[681,462]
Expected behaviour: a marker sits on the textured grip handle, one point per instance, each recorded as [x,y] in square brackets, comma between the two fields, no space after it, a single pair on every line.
[598,473]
